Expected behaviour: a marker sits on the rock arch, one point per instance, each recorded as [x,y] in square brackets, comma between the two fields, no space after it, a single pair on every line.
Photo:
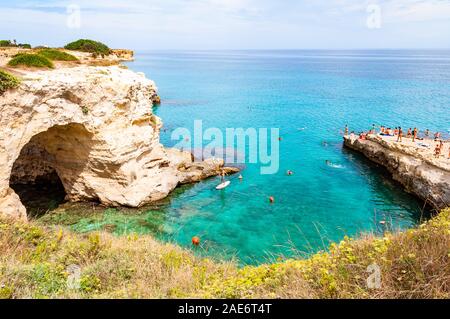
[61,153]
[96,127]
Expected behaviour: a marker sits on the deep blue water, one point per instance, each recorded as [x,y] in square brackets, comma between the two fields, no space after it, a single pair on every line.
[310,96]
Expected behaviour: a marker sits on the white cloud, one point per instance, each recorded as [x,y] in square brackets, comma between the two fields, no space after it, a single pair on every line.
[230,23]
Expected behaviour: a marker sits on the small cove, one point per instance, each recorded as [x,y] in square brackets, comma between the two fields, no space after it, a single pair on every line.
[309,97]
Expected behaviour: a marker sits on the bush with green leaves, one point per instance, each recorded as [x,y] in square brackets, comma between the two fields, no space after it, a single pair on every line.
[30,60]
[86,45]
[24,45]
[6,43]
[7,81]
[56,55]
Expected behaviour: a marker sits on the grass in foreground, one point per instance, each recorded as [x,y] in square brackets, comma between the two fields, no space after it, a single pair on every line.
[7,81]
[86,45]
[34,262]
[57,55]
[30,60]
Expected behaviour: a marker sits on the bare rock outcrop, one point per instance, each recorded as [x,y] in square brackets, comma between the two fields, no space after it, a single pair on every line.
[413,166]
[94,126]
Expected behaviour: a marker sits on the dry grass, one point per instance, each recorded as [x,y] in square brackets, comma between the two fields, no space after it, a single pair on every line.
[34,262]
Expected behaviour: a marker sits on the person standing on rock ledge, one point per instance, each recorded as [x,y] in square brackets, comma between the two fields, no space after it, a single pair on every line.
[414,136]
[400,134]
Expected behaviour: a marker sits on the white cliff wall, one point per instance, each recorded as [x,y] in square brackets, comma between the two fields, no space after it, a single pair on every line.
[97,128]
[422,175]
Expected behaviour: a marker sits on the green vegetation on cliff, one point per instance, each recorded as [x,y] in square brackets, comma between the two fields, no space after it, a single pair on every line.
[86,45]
[7,81]
[30,60]
[38,261]
[57,55]
[8,43]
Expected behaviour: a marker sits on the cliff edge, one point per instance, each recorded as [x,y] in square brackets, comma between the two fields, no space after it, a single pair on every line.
[411,164]
[95,128]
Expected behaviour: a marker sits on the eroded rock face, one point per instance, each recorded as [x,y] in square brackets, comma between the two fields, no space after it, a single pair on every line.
[420,174]
[94,126]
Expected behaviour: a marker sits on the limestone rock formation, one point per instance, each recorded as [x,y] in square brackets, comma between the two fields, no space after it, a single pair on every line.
[94,126]
[416,169]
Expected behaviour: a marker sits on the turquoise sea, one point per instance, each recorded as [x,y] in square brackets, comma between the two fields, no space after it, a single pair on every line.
[309,96]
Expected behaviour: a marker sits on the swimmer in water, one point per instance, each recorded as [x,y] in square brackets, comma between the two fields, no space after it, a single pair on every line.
[329,163]
[290,173]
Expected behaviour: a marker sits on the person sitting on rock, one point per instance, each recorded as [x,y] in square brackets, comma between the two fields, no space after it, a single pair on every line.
[437,136]
[408,135]
[427,133]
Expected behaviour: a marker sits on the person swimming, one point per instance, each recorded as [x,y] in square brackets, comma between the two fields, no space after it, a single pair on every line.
[331,164]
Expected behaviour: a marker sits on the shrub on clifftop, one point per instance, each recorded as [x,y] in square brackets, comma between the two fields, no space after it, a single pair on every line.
[7,81]
[30,60]
[6,43]
[56,55]
[91,46]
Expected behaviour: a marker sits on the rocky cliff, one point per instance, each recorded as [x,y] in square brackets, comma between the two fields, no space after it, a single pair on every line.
[94,126]
[411,164]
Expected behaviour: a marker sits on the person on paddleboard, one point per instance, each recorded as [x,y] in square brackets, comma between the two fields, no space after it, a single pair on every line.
[223,176]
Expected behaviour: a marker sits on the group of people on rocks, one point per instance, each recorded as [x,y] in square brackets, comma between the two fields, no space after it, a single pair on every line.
[412,133]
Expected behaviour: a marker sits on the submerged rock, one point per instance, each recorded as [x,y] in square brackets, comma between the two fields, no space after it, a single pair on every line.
[94,126]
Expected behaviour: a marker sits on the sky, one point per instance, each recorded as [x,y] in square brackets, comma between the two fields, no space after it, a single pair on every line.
[231,24]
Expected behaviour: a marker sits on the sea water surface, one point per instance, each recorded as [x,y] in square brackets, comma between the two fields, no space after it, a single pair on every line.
[309,96]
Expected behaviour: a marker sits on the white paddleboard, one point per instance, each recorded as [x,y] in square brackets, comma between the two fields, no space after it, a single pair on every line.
[223,185]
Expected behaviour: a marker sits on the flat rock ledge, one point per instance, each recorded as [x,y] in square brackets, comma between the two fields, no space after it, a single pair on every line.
[93,127]
[411,164]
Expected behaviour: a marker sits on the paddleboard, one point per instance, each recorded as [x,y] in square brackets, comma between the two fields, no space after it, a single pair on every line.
[223,185]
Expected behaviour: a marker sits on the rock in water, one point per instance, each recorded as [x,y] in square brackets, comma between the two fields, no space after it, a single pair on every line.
[97,131]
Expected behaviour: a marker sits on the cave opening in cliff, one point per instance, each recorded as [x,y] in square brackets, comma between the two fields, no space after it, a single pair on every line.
[36,182]
[47,166]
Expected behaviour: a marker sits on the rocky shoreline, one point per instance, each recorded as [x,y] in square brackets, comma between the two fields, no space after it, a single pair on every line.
[93,125]
[411,164]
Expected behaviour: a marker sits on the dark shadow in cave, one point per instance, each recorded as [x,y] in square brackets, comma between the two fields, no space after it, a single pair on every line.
[35,180]
[42,173]
[42,195]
